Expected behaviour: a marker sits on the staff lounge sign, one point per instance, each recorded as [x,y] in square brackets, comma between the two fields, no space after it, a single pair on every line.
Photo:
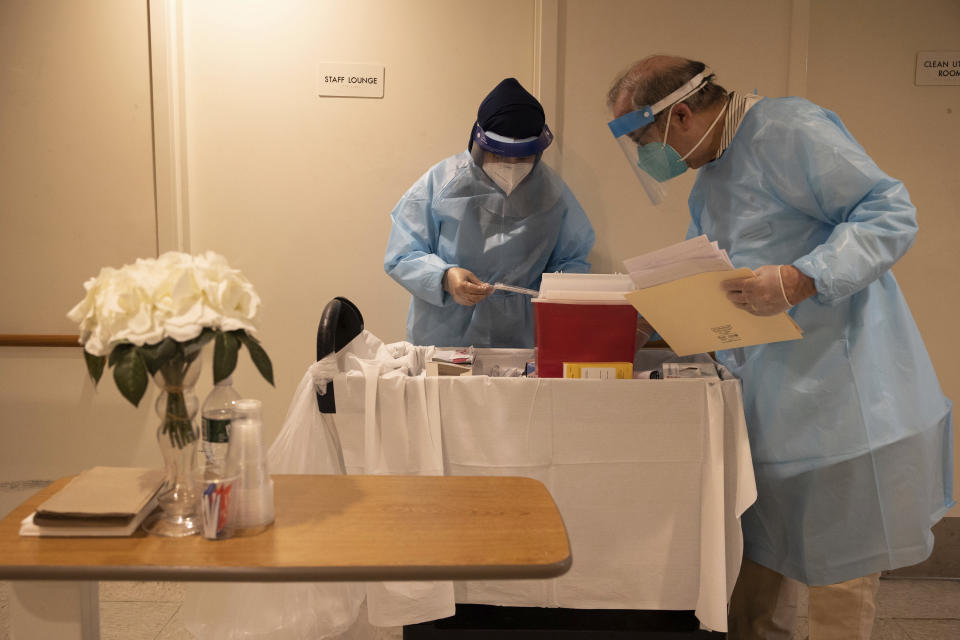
[938,67]
[350,80]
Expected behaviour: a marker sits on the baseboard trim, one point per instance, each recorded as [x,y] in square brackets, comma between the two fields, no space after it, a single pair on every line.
[20,485]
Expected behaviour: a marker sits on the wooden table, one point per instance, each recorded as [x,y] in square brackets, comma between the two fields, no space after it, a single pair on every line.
[328,528]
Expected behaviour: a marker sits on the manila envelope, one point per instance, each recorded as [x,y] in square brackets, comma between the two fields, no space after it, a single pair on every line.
[694,315]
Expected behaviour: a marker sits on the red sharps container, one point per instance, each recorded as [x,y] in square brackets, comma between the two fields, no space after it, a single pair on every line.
[583,318]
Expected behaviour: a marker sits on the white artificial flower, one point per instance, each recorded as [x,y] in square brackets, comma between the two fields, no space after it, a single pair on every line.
[228,292]
[176,295]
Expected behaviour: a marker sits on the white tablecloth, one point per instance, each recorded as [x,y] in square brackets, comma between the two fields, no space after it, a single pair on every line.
[650,476]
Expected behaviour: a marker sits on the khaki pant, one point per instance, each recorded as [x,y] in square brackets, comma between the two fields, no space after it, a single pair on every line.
[764,607]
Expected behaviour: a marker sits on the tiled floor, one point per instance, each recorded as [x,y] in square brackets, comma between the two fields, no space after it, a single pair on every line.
[152,611]
[142,611]
[909,609]
[912,610]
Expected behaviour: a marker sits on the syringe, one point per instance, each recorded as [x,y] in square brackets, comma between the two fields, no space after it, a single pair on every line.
[509,287]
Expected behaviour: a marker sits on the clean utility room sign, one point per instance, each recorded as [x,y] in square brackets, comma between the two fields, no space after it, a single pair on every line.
[351,80]
[938,67]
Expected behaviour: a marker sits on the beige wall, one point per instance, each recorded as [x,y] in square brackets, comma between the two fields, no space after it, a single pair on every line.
[76,193]
[296,189]
[75,152]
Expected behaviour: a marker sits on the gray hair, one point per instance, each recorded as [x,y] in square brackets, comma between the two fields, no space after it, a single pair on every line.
[654,78]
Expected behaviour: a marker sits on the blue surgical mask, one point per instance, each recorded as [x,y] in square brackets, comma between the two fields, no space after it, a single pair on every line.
[661,161]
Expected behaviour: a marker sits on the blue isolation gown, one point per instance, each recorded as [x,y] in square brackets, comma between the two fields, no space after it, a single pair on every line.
[850,433]
[455,216]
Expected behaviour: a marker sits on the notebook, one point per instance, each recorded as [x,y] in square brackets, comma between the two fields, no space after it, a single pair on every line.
[99,501]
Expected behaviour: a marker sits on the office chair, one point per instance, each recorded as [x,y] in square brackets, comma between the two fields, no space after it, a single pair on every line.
[340,322]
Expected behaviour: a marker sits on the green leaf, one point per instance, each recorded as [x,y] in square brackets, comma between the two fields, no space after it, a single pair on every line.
[130,374]
[192,348]
[260,358]
[156,355]
[118,353]
[94,365]
[224,355]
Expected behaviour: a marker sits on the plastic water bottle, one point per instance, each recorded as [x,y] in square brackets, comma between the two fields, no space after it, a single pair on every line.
[218,410]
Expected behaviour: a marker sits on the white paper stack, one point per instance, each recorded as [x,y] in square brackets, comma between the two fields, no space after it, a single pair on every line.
[687,258]
[584,287]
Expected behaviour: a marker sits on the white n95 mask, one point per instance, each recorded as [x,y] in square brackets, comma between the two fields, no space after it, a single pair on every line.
[507,175]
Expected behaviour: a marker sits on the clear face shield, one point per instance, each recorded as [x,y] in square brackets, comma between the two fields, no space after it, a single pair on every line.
[509,147]
[653,160]
[513,158]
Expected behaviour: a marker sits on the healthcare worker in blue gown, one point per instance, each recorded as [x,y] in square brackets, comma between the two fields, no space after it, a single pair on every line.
[850,433]
[492,214]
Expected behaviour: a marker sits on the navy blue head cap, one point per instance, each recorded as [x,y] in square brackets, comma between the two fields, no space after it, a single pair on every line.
[509,110]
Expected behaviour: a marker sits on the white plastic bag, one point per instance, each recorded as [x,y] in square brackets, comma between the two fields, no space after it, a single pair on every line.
[270,611]
[309,443]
